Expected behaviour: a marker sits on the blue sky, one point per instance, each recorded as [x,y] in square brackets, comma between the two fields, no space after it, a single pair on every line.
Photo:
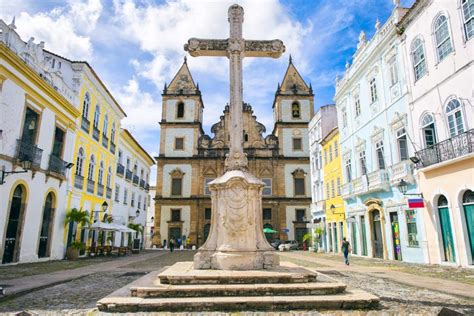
[137,46]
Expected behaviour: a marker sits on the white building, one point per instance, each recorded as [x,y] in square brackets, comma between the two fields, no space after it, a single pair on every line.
[38,114]
[438,49]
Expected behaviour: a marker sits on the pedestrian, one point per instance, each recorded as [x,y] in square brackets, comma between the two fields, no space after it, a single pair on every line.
[345,247]
[188,243]
[179,242]
[164,244]
[171,244]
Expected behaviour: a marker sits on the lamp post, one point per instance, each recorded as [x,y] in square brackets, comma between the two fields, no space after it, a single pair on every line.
[403,188]
[25,164]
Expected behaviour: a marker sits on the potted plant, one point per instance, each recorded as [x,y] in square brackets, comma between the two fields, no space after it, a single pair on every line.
[138,228]
[75,217]
[72,252]
[318,233]
[308,239]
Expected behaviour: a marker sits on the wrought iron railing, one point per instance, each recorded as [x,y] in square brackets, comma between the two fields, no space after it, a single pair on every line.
[457,146]
[26,151]
[85,125]
[142,183]
[95,133]
[112,147]
[57,165]
[120,169]
[100,189]
[135,180]
[90,186]
[78,181]
[105,141]
[108,192]
[128,174]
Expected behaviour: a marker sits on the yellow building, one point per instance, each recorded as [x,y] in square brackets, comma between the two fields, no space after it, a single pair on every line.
[334,207]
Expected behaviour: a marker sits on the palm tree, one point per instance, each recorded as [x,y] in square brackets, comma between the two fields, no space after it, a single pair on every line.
[138,228]
[74,217]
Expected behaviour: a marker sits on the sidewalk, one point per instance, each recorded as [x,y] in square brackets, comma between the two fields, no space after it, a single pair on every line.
[436,284]
[34,282]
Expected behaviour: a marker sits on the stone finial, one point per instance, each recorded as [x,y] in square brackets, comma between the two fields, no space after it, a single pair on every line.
[347,64]
[185,59]
[290,59]
[362,39]
[378,25]
[12,24]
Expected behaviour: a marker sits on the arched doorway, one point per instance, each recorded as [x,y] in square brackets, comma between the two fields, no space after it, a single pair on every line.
[468,206]
[377,234]
[14,226]
[44,249]
[446,229]
[376,221]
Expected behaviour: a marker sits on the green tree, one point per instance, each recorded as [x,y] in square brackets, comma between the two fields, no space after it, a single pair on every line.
[75,217]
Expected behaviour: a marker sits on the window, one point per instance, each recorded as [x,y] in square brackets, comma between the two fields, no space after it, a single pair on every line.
[348,170]
[357,106]
[333,191]
[120,155]
[106,125]
[58,143]
[344,117]
[117,192]
[206,186]
[402,144]
[393,71]
[176,215]
[101,172]
[380,156]
[362,161]
[418,56]
[139,201]
[30,127]
[455,121]
[90,173]
[80,162]
[112,133]
[338,186]
[411,228]
[176,186]
[179,143]
[125,196]
[267,189]
[85,106]
[468,14]
[132,200]
[336,150]
[295,110]
[327,190]
[267,214]
[180,110]
[135,169]
[428,130]
[299,187]
[325,157]
[373,90]
[207,213]
[128,163]
[96,116]
[300,215]
[297,144]
[442,37]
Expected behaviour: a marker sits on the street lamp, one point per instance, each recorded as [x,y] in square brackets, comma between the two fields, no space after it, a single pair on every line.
[25,164]
[105,206]
[403,188]
[137,213]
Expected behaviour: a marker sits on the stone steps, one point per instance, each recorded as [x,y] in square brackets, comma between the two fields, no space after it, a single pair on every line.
[354,299]
[218,290]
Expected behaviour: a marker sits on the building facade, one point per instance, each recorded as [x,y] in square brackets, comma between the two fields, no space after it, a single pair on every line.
[189,159]
[37,131]
[372,102]
[437,44]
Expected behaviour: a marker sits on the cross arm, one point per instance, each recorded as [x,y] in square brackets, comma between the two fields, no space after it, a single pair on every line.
[272,48]
[206,47]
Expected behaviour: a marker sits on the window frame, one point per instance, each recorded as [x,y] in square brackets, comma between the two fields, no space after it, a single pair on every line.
[297,105]
[177,116]
[373,90]
[452,114]
[300,139]
[464,22]
[172,193]
[401,133]
[268,186]
[422,62]
[176,143]
[437,45]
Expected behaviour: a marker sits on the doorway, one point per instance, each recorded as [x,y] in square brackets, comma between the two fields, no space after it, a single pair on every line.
[299,233]
[397,249]
[364,236]
[468,206]
[44,248]
[377,235]
[174,232]
[14,226]
[446,230]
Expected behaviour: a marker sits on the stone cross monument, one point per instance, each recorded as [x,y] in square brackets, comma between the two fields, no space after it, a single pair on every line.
[236,240]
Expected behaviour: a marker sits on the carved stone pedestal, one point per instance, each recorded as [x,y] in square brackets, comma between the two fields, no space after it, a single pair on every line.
[236,240]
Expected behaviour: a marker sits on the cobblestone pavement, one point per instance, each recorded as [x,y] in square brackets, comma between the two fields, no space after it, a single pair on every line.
[80,296]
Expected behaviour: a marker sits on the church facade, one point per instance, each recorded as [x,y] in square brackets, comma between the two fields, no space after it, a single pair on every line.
[189,159]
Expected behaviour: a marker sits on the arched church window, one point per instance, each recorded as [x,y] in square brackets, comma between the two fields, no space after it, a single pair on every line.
[295,110]
[180,110]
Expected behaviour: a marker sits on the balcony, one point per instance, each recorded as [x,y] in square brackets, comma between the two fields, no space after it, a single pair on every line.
[95,133]
[85,125]
[128,175]
[112,147]
[78,182]
[347,190]
[100,189]
[135,180]
[108,193]
[120,169]
[105,141]
[57,165]
[454,147]
[378,181]
[90,186]
[26,151]
[142,183]
[359,185]
[401,170]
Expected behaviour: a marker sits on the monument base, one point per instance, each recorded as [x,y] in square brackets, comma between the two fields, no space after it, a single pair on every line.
[236,260]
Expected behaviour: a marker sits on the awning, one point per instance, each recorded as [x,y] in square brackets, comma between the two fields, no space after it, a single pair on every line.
[122,228]
[102,226]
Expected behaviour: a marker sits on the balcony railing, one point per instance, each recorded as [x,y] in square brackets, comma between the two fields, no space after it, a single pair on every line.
[26,151]
[378,181]
[112,147]
[401,170]
[135,180]
[347,190]
[95,133]
[251,152]
[85,125]
[359,185]
[105,141]
[128,174]
[57,165]
[108,192]
[100,189]
[78,181]
[454,147]
[120,169]
[142,183]
[90,186]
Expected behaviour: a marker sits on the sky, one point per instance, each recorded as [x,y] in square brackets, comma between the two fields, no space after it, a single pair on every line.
[137,45]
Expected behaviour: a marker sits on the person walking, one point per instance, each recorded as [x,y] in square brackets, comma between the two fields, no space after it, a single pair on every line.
[345,247]
[171,244]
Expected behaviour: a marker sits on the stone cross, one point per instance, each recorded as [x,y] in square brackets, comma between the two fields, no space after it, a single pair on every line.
[235,48]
